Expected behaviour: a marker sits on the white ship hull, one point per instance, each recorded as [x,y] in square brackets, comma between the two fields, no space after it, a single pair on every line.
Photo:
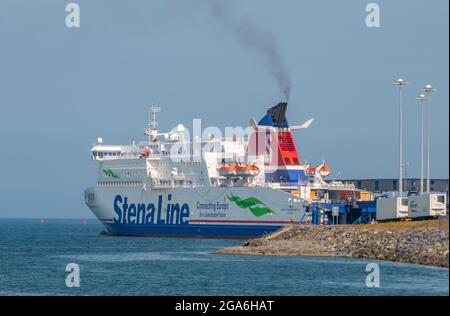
[198,212]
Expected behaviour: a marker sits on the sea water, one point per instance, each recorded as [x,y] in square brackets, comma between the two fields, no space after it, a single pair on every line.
[34,255]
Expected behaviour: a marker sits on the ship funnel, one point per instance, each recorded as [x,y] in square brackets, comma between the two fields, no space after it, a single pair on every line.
[276,116]
[272,140]
[278,113]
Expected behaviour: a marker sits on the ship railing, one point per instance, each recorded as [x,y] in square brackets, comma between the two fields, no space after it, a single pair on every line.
[282,185]
[173,185]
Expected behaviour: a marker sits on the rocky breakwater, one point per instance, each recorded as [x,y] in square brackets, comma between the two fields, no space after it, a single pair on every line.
[424,242]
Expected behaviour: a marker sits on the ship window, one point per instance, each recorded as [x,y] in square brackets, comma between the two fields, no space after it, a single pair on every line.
[90,198]
[295,161]
[287,161]
[394,185]
[377,185]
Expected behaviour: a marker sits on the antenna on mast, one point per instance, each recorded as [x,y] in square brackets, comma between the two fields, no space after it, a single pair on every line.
[154,122]
[152,131]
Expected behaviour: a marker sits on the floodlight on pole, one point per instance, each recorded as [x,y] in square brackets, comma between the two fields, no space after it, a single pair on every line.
[428,89]
[400,83]
[421,98]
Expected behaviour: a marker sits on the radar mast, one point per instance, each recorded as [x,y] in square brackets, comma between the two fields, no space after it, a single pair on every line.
[152,131]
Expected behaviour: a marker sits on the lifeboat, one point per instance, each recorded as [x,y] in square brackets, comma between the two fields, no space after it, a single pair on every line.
[323,170]
[226,171]
[238,169]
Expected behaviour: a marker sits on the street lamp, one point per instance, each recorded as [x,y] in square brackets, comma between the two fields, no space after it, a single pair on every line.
[422,99]
[428,89]
[407,164]
[400,83]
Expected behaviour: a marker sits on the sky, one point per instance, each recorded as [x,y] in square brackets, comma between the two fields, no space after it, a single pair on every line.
[61,88]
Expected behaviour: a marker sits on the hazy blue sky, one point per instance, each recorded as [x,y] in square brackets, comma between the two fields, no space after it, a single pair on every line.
[61,88]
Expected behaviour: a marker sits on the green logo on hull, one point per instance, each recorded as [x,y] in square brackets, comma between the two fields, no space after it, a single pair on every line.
[255,206]
[110,173]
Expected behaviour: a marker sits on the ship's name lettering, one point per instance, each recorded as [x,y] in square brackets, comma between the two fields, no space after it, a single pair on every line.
[150,214]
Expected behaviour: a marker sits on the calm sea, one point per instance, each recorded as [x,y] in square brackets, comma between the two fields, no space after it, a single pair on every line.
[34,255]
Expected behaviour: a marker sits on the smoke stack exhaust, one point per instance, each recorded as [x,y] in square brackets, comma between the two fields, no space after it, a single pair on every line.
[254,39]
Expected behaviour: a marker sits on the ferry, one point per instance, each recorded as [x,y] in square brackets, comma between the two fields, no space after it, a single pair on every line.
[170,185]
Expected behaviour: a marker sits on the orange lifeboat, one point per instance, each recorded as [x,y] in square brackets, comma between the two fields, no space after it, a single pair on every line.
[238,169]
[226,170]
[325,170]
[252,169]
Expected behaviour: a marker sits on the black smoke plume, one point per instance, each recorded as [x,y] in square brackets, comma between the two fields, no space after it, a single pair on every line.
[250,36]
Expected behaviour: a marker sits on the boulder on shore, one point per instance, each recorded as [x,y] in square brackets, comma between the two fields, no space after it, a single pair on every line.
[425,242]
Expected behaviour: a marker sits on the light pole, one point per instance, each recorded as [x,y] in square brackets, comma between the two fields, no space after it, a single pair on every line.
[400,83]
[428,89]
[422,99]
[406,175]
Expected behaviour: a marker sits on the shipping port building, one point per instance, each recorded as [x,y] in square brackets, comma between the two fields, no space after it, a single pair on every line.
[390,185]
